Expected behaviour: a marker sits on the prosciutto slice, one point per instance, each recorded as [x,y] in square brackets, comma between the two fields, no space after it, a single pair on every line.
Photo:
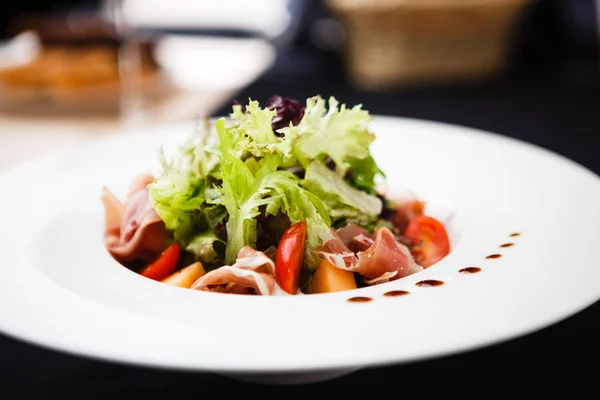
[383,258]
[230,279]
[252,273]
[133,231]
[406,212]
[249,258]
[337,253]
[355,238]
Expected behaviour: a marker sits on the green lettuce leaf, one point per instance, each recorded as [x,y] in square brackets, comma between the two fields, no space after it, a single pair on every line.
[343,202]
[203,238]
[179,193]
[245,190]
[339,132]
[202,246]
[253,134]
[255,122]
[175,197]
[362,172]
[196,156]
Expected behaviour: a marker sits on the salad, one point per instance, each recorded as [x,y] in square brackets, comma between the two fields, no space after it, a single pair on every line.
[282,199]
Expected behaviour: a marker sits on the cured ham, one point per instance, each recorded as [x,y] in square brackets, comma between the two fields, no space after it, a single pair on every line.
[133,231]
[231,279]
[252,273]
[406,212]
[355,238]
[249,258]
[383,258]
[337,253]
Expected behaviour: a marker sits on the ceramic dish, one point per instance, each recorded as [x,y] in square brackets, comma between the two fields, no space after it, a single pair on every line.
[512,269]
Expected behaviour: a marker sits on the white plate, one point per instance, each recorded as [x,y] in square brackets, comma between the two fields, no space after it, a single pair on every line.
[61,289]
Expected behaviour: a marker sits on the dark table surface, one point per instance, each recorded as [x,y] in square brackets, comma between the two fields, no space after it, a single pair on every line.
[558,109]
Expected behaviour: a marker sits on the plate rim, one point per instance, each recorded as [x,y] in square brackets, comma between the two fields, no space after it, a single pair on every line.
[583,304]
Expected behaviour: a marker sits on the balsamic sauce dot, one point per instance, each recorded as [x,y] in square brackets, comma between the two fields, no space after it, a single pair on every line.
[396,293]
[359,299]
[494,256]
[470,270]
[429,283]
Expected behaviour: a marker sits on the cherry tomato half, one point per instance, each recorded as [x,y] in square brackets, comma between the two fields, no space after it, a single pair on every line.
[430,240]
[164,265]
[290,257]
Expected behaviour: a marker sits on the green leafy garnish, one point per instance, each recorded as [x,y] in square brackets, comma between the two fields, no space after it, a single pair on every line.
[338,132]
[231,174]
[343,202]
[244,192]
[179,194]
[362,172]
[202,246]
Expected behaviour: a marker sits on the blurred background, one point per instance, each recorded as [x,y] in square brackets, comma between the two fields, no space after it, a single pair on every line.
[72,70]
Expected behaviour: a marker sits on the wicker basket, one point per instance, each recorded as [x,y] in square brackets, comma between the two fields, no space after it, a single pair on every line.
[405,42]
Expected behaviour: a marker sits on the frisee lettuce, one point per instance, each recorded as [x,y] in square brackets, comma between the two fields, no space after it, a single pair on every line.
[247,187]
[362,173]
[255,122]
[175,197]
[343,202]
[253,134]
[247,172]
[178,195]
[338,132]
[202,246]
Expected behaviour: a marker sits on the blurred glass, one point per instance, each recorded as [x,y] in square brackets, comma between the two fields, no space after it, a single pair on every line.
[139,61]
[129,65]
[205,51]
